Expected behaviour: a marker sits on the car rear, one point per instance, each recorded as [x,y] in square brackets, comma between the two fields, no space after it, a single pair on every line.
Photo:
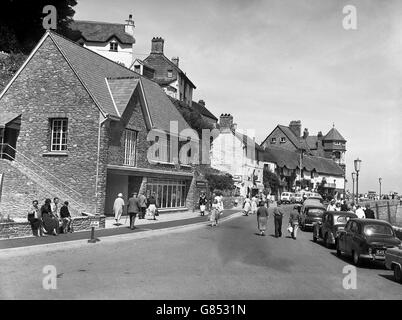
[313,216]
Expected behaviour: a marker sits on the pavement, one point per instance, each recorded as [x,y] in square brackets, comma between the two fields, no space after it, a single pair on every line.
[230,261]
[164,221]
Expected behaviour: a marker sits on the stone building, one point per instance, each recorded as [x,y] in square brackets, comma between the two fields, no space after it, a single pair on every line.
[79,126]
[114,41]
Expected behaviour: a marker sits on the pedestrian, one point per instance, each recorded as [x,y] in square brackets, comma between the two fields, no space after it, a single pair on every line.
[219,197]
[278,216]
[338,206]
[344,206]
[294,222]
[214,217]
[50,223]
[152,206]
[369,213]
[331,206]
[34,219]
[246,206]
[133,209]
[360,212]
[262,217]
[66,218]
[254,205]
[202,202]
[118,208]
[143,205]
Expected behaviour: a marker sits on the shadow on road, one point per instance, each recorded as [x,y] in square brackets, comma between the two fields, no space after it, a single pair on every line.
[373,265]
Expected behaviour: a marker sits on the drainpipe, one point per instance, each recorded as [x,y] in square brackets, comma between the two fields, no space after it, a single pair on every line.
[97,160]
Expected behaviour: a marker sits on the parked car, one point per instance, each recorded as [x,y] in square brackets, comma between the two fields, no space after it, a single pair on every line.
[286,197]
[393,261]
[332,223]
[366,239]
[298,197]
[310,213]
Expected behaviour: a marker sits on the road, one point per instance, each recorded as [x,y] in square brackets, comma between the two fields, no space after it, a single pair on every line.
[226,262]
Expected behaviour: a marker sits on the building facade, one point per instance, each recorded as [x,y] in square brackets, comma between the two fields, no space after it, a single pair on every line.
[81,127]
[114,41]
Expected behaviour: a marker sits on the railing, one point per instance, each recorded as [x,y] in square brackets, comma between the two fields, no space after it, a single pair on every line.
[45,182]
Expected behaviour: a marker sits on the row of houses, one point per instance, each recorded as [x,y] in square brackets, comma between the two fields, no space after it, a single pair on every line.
[84,120]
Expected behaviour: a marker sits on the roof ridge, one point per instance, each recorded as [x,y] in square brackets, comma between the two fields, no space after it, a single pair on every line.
[99,22]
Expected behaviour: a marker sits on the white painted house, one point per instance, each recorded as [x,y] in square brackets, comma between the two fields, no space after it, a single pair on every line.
[234,152]
[114,41]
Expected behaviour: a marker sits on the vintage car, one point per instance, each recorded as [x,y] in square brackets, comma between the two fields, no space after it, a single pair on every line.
[366,239]
[328,229]
[311,212]
[287,197]
[298,197]
[393,261]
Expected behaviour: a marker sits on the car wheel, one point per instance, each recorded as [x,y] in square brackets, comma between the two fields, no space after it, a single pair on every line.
[338,252]
[356,258]
[398,273]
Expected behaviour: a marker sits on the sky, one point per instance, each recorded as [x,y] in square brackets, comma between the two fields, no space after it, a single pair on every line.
[268,62]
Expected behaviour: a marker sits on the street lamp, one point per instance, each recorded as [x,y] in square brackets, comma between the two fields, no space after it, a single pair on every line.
[357,169]
[380,180]
[353,188]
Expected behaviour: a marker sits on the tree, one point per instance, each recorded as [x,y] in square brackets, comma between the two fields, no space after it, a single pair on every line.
[271,181]
[21,22]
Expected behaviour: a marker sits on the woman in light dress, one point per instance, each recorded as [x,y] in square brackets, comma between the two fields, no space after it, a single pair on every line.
[254,206]
[247,206]
[214,218]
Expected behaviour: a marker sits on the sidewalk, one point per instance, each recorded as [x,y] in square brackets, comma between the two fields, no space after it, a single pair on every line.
[165,220]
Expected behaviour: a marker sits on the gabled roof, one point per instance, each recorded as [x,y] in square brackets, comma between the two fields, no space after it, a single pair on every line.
[291,136]
[95,31]
[291,160]
[94,70]
[247,140]
[334,135]
[167,61]
[203,110]
[311,142]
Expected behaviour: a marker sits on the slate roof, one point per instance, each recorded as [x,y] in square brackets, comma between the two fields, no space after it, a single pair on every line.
[291,136]
[247,140]
[100,31]
[311,142]
[334,135]
[291,160]
[94,70]
[203,110]
[121,90]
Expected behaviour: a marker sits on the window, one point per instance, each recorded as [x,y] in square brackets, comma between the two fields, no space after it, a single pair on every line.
[113,46]
[59,135]
[137,68]
[170,73]
[273,140]
[337,143]
[130,146]
[283,140]
[169,193]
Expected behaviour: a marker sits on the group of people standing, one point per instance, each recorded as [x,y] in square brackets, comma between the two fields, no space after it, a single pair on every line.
[138,205]
[215,208]
[50,218]
[361,212]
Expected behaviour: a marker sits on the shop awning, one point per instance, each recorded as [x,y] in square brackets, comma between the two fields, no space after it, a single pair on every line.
[8,118]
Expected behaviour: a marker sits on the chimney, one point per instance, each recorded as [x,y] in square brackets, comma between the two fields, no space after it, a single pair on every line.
[226,121]
[319,135]
[234,126]
[295,126]
[175,60]
[157,45]
[129,26]
[305,133]
[201,102]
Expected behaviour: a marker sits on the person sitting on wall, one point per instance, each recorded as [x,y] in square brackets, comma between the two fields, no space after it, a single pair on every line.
[50,222]
[34,219]
[369,213]
[66,218]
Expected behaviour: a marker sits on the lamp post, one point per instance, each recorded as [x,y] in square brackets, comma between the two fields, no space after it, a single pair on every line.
[353,188]
[380,180]
[357,169]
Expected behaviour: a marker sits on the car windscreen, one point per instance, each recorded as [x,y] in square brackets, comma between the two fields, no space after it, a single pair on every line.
[315,212]
[378,229]
[342,219]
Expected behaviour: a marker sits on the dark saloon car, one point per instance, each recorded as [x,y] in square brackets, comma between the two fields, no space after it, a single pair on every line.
[366,239]
[332,223]
[311,213]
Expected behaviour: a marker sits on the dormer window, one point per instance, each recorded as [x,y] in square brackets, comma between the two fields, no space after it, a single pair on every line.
[283,140]
[113,46]
[170,73]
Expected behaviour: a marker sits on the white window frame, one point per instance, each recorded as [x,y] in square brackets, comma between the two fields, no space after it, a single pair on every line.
[56,143]
[170,73]
[273,140]
[130,147]
[160,184]
[283,140]
[113,44]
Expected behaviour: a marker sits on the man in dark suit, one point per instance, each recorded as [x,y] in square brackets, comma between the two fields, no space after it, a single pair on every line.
[369,213]
[134,207]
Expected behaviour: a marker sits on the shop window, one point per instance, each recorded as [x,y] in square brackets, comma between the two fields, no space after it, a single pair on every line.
[169,193]
[59,134]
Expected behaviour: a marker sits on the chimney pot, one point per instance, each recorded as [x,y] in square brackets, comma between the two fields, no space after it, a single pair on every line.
[201,102]
[157,45]
[226,121]
[295,127]
[175,60]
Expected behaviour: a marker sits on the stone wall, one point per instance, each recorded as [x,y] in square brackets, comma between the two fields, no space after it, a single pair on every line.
[385,210]
[10,230]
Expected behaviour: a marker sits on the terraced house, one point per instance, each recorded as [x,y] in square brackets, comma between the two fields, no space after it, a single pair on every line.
[76,125]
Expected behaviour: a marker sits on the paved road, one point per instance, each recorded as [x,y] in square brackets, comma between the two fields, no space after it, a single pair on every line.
[225,262]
